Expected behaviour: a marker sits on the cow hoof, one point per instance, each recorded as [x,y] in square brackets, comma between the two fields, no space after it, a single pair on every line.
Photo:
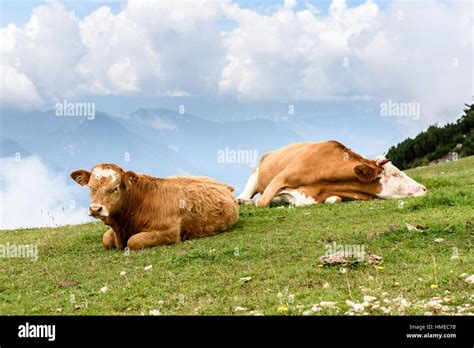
[259,203]
[242,201]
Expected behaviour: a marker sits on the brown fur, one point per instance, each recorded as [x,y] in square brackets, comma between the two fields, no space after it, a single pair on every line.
[319,170]
[146,211]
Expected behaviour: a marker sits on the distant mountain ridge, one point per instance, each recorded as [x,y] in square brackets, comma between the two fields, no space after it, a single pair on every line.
[159,142]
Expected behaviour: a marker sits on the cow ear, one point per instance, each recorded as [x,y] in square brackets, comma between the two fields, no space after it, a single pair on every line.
[81,176]
[129,178]
[365,173]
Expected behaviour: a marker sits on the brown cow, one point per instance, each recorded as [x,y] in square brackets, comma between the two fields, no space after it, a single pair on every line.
[143,211]
[325,172]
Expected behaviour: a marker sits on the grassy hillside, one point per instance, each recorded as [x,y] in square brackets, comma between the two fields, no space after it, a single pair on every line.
[279,248]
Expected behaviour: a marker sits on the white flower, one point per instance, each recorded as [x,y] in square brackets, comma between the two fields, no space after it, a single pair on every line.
[147,268]
[104,289]
[343,270]
[155,312]
[402,303]
[123,273]
[246,279]
[315,308]
[240,309]
[368,298]
[357,307]
[439,240]
[326,285]
[327,303]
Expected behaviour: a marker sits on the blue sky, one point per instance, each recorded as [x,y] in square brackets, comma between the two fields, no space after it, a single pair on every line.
[19,11]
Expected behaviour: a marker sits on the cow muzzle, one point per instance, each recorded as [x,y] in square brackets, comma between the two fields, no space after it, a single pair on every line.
[98,211]
[420,191]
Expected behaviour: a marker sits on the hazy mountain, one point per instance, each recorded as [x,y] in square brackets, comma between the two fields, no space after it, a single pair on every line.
[203,142]
[159,142]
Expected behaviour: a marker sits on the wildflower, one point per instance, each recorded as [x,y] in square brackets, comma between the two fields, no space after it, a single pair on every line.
[154,312]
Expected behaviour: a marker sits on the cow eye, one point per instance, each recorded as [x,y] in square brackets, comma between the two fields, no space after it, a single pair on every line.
[115,190]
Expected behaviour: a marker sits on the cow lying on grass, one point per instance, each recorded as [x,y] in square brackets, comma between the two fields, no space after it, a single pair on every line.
[143,211]
[325,172]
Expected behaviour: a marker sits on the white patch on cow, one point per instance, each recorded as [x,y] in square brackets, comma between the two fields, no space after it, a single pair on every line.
[101,172]
[251,187]
[396,184]
[332,199]
[296,197]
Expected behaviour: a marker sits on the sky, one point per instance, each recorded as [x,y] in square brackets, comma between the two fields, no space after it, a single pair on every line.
[244,51]
[234,60]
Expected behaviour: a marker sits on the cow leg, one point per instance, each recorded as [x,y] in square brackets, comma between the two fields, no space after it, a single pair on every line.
[333,199]
[270,192]
[150,239]
[250,189]
[108,240]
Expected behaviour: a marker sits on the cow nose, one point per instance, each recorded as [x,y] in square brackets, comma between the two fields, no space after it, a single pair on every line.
[421,190]
[95,208]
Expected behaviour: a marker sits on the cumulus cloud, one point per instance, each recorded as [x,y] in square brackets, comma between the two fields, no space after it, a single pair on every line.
[34,196]
[411,52]
[408,52]
[291,55]
[17,89]
[45,50]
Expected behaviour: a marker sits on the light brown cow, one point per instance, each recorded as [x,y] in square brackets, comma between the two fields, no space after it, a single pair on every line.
[325,172]
[143,211]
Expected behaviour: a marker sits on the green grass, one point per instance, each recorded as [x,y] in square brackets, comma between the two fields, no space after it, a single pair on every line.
[278,247]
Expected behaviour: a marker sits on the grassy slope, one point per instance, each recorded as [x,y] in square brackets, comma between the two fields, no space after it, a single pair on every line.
[278,248]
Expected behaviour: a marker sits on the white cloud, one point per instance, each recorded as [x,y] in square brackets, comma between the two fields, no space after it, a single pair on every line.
[418,52]
[46,50]
[34,196]
[17,89]
[291,55]
[163,48]
[405,53]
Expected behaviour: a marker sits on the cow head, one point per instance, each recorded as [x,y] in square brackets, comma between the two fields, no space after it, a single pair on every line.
[109,188]
[393,182]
